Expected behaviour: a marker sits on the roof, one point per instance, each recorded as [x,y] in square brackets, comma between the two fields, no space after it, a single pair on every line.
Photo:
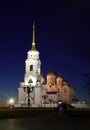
[51,73]
[59,76]
[33,48]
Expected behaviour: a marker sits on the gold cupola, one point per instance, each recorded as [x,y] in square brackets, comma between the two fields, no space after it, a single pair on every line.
[51,73]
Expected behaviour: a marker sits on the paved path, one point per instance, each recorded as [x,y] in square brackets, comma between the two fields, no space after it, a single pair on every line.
[52,121]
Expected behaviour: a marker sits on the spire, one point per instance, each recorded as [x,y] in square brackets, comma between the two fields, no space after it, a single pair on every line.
[33,38]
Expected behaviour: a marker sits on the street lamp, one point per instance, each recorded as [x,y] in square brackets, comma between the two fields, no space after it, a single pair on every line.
[28,90]
[11,102]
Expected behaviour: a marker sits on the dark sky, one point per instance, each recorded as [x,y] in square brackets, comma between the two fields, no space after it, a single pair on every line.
[62,38]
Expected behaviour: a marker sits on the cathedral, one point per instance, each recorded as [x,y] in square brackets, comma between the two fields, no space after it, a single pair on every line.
[37,92]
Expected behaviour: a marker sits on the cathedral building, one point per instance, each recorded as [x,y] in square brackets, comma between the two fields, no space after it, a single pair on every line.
[37,92]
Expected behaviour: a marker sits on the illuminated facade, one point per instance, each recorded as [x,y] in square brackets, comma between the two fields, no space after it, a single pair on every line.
[42,94]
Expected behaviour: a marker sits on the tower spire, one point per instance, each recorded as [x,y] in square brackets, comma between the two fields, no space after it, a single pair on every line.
[33,36]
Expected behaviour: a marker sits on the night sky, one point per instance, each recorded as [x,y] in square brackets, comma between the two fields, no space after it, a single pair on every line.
[62,38]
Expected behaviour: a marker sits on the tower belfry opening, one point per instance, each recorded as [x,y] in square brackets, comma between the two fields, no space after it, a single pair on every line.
[31,67]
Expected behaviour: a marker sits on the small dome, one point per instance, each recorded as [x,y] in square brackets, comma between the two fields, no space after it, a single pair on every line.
[65,82]
[51,73]
[33,48]
[42,76]
[42,79]
[59,76]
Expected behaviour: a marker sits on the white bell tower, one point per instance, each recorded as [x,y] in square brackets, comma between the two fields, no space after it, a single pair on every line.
[31,77]
[32,63]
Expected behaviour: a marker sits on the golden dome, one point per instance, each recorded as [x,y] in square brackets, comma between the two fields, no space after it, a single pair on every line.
[33,48]
[51,73]
[59,76]
[42,79]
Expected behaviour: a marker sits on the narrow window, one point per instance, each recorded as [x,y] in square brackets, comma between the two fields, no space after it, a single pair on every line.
[31,67]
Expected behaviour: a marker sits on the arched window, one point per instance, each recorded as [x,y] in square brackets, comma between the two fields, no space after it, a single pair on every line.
[31,67]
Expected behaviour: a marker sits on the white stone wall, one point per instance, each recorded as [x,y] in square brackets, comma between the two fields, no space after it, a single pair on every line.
[21,95]
[37,95]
